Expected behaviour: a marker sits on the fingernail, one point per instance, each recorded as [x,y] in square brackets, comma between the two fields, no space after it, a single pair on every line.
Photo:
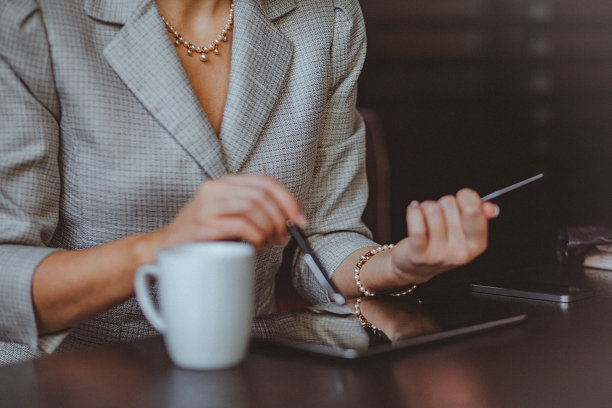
[302,221]
[414,203]
[496,210]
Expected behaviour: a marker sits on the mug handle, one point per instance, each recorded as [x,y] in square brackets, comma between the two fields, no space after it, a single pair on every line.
[143,295]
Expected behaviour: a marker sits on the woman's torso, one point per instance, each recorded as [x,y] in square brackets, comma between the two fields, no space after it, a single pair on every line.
[135,144]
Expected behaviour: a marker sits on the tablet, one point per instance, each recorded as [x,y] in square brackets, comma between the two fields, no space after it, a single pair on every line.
[391,324]
[534,290]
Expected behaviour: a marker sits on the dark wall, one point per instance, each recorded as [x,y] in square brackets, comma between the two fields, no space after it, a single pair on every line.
[483,93]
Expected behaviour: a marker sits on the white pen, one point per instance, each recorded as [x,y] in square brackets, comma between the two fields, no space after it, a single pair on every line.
[514,186]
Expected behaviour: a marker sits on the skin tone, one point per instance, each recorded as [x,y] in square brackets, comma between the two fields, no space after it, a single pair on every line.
[395,319]
[72,286]
[200,22]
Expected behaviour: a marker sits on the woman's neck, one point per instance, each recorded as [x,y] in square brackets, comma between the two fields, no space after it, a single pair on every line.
[192,12]
[204,25]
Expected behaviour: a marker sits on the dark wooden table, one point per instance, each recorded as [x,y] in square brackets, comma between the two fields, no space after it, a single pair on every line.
[561,356]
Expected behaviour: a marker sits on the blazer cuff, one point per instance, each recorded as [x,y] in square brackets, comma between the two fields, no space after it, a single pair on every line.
[332,249]
[17,320]
[48,343]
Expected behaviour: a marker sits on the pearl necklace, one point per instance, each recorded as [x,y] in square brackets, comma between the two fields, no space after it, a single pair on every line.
[203,51]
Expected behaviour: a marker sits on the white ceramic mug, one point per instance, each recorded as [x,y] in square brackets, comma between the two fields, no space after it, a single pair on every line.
[205,302]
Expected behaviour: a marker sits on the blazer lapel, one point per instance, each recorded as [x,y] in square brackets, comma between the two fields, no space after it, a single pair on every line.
[144,58]
[261,56]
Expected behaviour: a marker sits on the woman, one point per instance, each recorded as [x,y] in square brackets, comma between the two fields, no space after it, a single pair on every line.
[120,138]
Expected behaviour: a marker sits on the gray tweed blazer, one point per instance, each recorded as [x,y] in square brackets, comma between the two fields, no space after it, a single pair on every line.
[101,136]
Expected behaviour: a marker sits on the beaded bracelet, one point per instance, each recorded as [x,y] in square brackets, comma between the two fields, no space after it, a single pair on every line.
[365,323]
[365,258]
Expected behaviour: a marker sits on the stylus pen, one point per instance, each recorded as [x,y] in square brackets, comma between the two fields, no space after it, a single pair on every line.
[514,186]
[315,266]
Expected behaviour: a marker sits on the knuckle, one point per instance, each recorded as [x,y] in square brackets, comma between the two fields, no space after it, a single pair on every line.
[436,259]
[461,257]
[471,209]
[248,204]
[430,207]
[418,259]
[447,200]
[271,180]
[201,221]
[467,193]
[210,187]
[259,196]
[467,196]
[269,231]
[215,182]
[205,186]
[263,179]
[418,238]
[258,239]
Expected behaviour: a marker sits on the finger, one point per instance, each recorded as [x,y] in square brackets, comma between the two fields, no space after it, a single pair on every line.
[473,218]
[283,198]
[275,219]
[417,229]
[491,210]
[256,205]
[436,228]
[233,197]
[232,228]
[452,217]
[457,246]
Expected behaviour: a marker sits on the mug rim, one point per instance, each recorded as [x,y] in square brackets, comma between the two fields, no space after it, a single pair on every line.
[236,249]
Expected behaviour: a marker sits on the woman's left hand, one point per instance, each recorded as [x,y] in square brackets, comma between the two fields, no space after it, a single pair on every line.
[442,235]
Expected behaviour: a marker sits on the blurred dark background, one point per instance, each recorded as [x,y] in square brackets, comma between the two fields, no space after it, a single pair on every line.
[484,93]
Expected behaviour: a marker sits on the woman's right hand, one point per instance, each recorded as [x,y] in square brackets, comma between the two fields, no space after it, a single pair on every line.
[252,208]
[70,287]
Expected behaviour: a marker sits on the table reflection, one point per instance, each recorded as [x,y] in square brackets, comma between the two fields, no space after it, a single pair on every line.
[221,388]
[339,327]
[442,383]
[371,325]
[111,377]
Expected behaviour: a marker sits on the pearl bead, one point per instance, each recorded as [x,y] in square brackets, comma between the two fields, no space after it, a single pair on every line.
[212,47]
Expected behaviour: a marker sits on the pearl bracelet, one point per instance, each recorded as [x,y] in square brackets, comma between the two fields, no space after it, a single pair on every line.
[365,323]
[365,258]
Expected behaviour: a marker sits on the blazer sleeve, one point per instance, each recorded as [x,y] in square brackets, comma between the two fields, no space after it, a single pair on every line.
[339,190]
[30,183]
